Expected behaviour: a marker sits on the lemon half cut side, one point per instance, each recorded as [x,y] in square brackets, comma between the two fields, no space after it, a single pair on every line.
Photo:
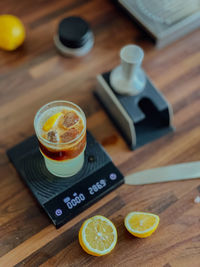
[141,224]
[98,236]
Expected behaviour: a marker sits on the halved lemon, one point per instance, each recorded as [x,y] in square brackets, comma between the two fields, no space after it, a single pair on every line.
[141,224]
[98,236]
[51,121]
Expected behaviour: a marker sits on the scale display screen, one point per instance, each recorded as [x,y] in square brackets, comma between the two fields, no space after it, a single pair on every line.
[71,202]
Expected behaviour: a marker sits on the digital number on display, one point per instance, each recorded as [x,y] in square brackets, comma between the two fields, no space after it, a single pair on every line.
[97,186]
[78,198]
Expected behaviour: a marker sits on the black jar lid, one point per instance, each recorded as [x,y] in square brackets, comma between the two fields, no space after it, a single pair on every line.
[74,32]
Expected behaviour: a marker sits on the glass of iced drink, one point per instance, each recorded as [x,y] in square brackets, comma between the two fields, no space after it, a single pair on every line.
[60,127]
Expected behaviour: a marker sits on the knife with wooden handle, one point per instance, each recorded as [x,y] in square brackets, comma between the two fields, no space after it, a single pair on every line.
[182,171]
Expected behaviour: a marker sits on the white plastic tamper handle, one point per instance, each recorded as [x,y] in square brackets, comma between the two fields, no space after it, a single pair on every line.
[129,78]
[131,59]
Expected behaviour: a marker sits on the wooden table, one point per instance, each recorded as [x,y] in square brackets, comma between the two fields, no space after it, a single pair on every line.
[36,74]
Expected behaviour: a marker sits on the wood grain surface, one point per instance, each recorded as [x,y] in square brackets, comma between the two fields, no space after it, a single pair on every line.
[36,74]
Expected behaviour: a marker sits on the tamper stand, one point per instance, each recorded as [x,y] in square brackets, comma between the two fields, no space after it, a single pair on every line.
[138,109]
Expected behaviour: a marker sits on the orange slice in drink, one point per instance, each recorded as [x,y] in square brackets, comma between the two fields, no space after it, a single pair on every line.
[51,121]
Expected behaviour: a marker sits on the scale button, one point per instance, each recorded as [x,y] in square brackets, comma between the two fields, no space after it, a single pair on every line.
[58,212]
[91,158]
[113,176]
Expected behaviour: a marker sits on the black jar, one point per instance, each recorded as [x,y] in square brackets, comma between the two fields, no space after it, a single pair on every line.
[74,37]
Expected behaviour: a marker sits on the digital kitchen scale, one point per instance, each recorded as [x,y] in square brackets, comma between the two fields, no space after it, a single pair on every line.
[64,198]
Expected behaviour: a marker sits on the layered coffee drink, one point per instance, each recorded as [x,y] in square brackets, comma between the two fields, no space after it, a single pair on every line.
[61,131]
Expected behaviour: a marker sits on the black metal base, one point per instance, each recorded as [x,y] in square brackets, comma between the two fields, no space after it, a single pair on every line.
[64,198]
[149,111]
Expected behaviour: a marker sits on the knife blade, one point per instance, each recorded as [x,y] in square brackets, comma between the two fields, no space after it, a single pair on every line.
[182,171]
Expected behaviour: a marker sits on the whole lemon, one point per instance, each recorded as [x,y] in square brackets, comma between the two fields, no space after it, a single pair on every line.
[12,32]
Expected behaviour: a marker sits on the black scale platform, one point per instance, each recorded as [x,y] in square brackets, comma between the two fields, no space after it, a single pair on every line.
[64,198]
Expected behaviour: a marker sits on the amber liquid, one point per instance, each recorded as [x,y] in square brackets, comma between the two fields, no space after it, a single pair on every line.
[64,154]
